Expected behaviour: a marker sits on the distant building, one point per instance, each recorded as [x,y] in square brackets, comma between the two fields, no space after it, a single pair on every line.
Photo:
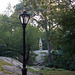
[40,44]
[40,55]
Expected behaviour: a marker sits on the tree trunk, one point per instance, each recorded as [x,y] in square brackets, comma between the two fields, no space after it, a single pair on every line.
[48,44]
[49,50]
[28,52]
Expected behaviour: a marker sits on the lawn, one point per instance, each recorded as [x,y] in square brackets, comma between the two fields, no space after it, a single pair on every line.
[3,63]
[59,73]
[52,72]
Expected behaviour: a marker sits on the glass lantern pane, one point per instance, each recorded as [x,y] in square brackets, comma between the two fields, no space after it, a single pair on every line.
[26,19]
[21,20]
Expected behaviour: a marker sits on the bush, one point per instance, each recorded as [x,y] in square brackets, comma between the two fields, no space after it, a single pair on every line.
[62,61]
[51,65]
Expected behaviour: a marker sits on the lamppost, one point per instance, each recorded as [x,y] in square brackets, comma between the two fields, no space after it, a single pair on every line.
[24,18]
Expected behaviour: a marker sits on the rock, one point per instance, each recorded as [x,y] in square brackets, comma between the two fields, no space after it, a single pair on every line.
[11,61]
[1,73]
[12,69]
[36,69]
[42,68]
[18,66]
[39,73]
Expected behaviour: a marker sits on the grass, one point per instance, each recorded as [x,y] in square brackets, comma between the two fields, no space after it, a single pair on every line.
[59,73]
[52,72]
[31,70]
[4,63]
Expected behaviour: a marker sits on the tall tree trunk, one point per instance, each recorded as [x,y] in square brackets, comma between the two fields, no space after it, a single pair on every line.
[49,51]
[48,44]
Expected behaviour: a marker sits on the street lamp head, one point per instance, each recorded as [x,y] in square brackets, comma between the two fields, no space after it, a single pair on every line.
[24,18]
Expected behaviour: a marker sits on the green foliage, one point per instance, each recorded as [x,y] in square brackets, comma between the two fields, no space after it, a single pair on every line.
[32,58]
[56,27]
[64,41]
[11,39]
[32,36]
[19,6]
[49,12]
[68,25]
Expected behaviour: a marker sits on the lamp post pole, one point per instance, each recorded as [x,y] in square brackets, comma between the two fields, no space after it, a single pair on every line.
[24,69]
[24,18]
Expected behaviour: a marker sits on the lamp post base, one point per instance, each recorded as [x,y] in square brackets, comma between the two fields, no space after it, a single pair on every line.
[24,71]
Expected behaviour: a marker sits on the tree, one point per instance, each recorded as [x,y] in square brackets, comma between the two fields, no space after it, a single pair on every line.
[67,23]
[48,10]
[11,36]
[64,40]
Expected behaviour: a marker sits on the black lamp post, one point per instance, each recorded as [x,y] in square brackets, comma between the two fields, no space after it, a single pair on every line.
[24,18]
